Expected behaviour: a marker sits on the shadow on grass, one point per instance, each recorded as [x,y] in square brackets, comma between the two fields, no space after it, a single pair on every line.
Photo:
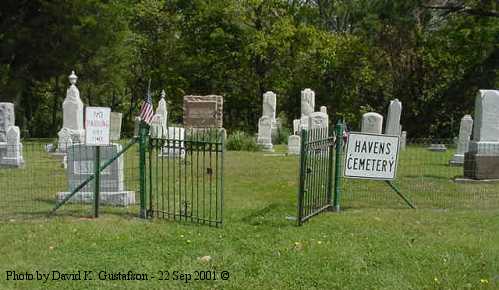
[274,214]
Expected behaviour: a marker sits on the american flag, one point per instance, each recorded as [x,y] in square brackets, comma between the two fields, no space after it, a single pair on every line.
[147,110]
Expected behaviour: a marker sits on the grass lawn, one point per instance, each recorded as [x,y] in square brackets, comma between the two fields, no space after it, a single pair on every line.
[375,243]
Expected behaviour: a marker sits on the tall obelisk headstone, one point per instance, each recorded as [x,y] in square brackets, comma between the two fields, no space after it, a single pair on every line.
[465,130]
[482,159]
[72,131]
[393,119]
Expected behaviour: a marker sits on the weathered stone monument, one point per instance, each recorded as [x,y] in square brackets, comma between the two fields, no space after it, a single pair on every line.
[203,111]
[270,105]
[372,123]
[403,140]
[116,120]
[159,127]
[81,158]
[11,149]
[307,102]
[294,145]
[7,119]
[175,147]
[465,129]
[72,131]
[265,133]
[12,155]
[482,159]
[393,119]
[319,120]
[323,109]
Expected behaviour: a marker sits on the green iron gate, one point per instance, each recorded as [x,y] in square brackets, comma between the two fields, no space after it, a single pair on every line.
[315,194]
[185,175]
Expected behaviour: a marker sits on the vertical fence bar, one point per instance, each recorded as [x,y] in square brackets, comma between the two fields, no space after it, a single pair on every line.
[337,168]
[142,169]
[97,181]
[330,151]
[301,190]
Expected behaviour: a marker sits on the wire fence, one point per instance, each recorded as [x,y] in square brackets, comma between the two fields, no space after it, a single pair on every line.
[427,176]
[45,177]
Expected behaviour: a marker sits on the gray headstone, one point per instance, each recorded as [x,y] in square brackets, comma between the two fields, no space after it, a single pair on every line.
[136,126]
[403,140]
[296,127]
[13,155]
[203,111]
[7,119]
[393,119]
[265,133]
[324,109]
[115,132]
[307,102]
[294,145]
[81,158]
[269,105]
[465,130]
[372,123]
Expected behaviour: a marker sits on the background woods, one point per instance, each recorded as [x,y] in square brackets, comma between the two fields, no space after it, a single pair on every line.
[356,55]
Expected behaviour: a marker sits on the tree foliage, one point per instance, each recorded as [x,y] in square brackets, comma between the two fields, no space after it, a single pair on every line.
[355,54]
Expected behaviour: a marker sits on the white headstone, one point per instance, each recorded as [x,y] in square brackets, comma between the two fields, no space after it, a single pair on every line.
[175,146]
[319,120]
[372,123]
[116,120]
[465,129]
[294,144]
[14,152]
[486,123]
[269,105]
[296,127]
[163,112]
[72,112]
[393,120]
[7,119]
[307,102]
[324,109]
[265,133]
[403,140]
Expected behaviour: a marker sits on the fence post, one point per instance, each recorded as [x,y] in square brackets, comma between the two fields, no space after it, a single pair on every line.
[301,190]
[337,168]
[97,181]
[142,169]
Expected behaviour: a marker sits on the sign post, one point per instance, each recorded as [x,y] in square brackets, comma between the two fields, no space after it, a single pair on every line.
[374,157]
[97,131]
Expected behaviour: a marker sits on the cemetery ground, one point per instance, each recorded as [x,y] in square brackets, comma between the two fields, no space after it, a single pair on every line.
[375,242]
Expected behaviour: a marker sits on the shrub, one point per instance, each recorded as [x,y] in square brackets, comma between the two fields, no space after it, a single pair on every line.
[240,141]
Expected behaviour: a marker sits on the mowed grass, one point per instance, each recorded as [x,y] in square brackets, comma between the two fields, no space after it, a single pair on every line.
[366,246]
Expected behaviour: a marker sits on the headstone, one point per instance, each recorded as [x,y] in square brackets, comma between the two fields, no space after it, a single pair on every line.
[372,123]
[7,119]
[269,105]
[294,144]
[156,127]
[307,102]
[437,147]
[203,111]
[465,129]
[319,120]
[304,123]
[162,111]
[136,126]
[323,109]
[296,127]
[14,152]
[72,111]
[403,140]
[175,145]
[265,133]
[116,120]
[80,159]
[393,120]
[482,159]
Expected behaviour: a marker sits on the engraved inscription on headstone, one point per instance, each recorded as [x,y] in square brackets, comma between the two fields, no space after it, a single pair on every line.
[203,111]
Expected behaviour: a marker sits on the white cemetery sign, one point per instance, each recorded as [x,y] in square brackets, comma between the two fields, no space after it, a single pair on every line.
[371,156]
[97,125]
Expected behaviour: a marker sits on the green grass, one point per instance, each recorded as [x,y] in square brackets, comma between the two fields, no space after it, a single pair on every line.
[375,243]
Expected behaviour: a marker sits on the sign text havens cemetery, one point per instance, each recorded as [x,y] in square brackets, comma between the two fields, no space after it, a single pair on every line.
[371,156]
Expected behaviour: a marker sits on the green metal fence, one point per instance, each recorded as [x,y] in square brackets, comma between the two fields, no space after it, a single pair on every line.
[185,176]
[46,177]
[316,171]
